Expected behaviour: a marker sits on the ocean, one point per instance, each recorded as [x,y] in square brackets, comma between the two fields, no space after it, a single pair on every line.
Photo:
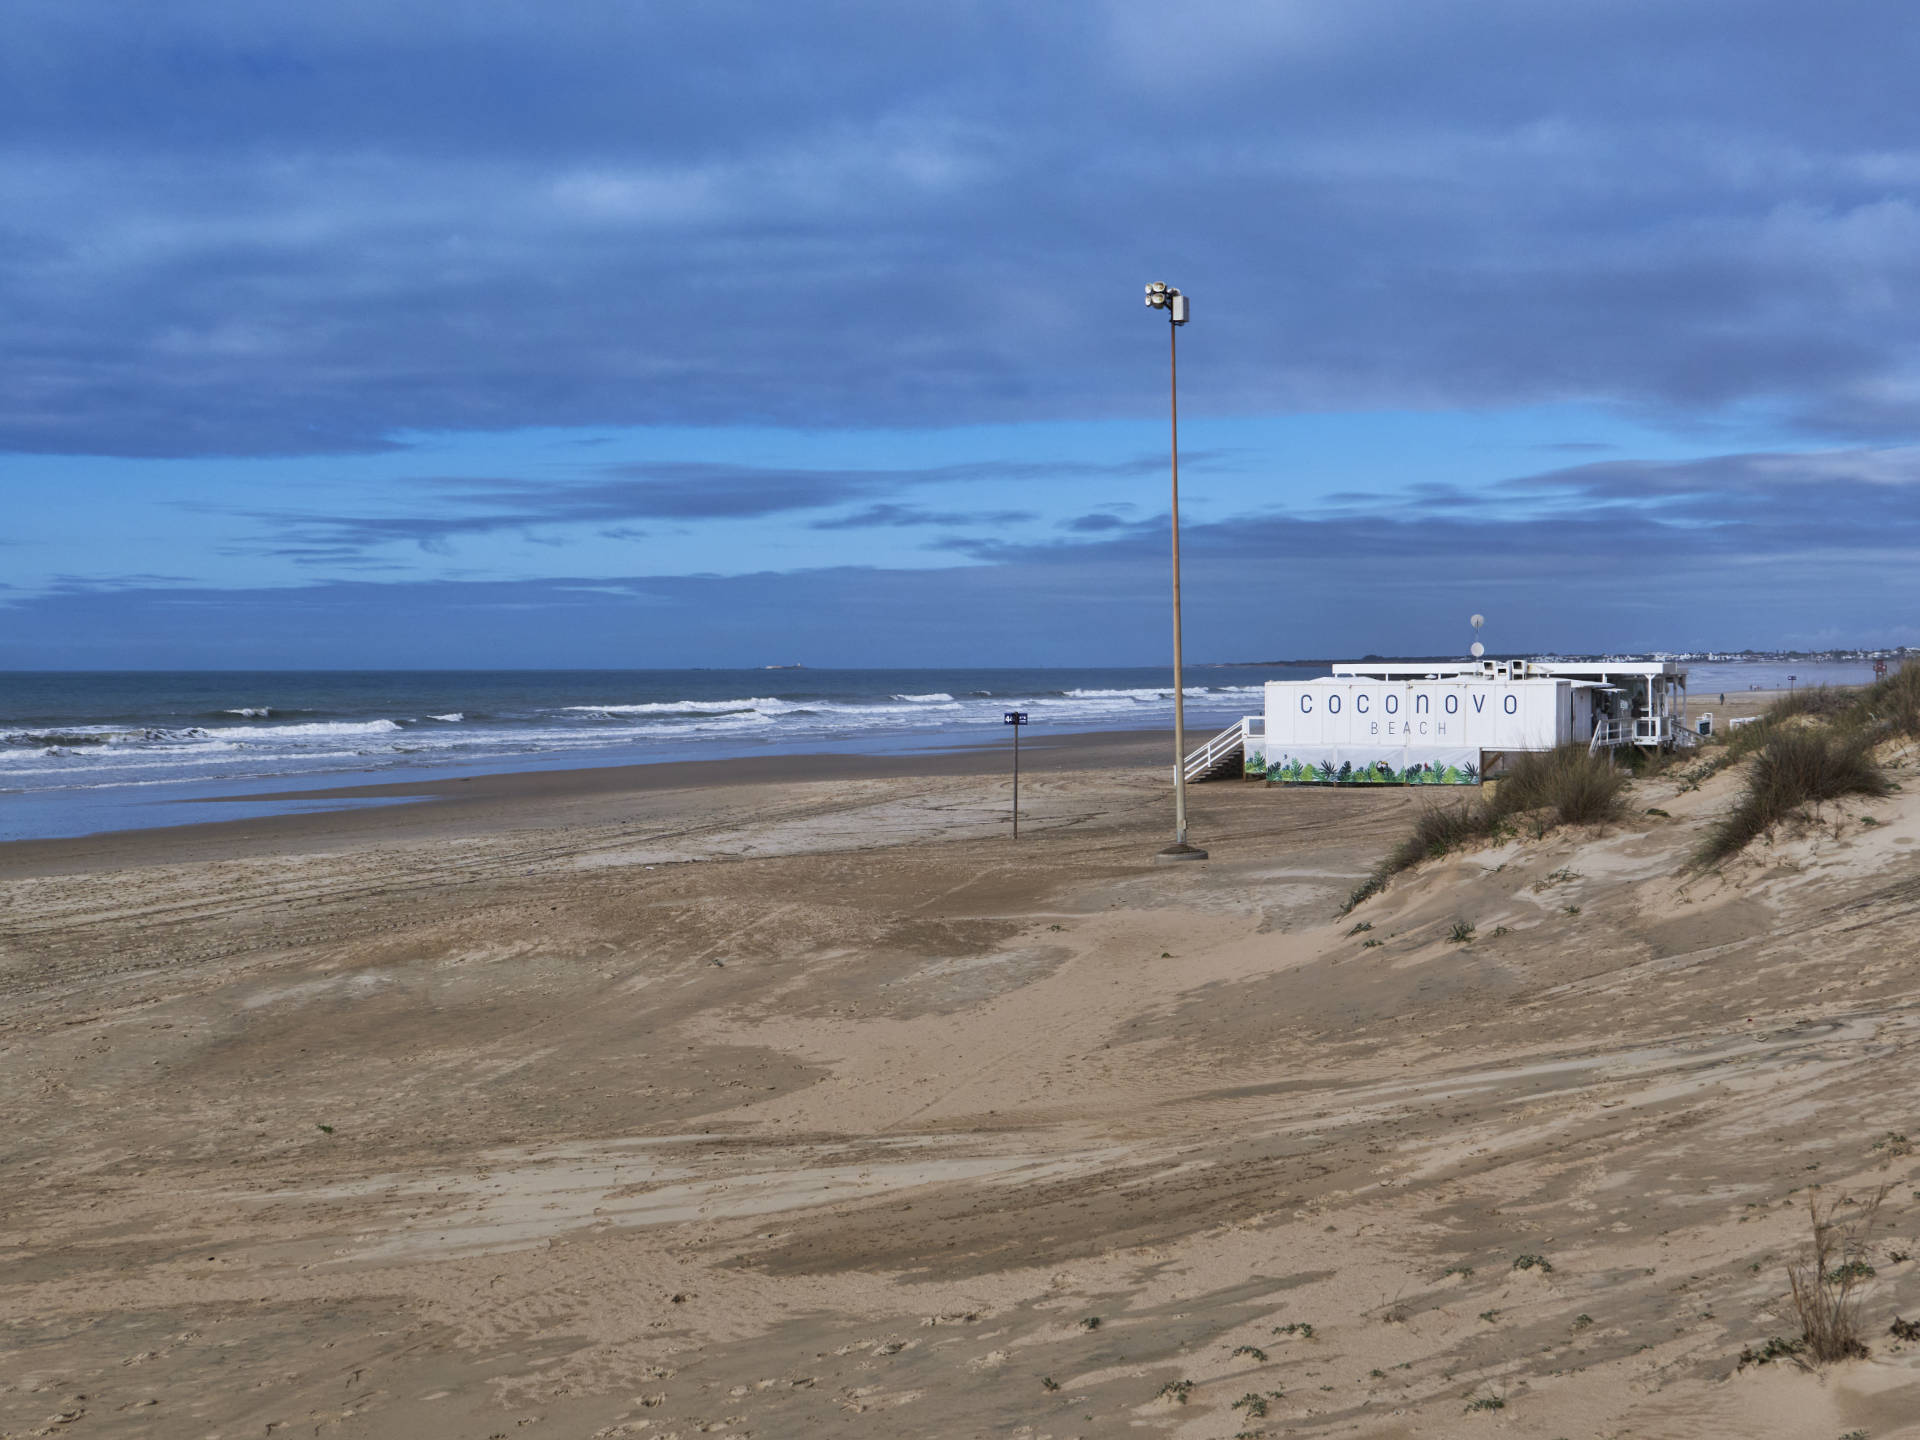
[95,751]
[84,752]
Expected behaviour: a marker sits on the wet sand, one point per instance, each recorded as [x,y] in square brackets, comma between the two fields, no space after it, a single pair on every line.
[438,809]
[806,1102]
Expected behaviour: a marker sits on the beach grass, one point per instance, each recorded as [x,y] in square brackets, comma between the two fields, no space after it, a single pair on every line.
[1812,746]
[1792,767]
[1564,786]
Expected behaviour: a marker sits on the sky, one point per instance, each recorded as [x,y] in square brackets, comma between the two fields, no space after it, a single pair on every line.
[626,333]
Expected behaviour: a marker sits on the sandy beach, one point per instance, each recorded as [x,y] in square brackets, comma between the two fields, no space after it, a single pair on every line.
[795,1098]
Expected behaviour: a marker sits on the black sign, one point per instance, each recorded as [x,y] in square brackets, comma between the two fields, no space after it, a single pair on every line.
[1016,717]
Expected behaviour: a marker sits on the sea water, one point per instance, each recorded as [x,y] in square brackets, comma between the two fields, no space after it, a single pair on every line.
[82,752]
[86,752]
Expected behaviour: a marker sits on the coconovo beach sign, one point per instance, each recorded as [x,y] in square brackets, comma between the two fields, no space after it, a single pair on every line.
[1347,731]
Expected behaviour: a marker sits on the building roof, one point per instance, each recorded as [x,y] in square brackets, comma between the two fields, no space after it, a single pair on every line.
[1590,670]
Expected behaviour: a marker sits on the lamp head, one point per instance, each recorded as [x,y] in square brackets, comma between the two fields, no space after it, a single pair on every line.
[1162,296]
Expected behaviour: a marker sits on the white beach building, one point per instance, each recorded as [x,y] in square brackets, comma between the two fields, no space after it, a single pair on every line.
[1428,723]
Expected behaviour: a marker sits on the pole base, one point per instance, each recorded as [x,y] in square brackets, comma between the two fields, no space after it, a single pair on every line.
[1180,850]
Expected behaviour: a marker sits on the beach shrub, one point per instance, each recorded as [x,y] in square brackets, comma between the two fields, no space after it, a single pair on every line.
[1840,708]
[1566,786]
[1892,705]
[1887,709]
[1439,829]
[1795,766]
[1823,702]
[1778,1347]
[1578,788]
[1824,1286]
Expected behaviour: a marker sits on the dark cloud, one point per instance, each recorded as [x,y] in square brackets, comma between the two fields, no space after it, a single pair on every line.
[452,506]
[1754,509]
[1098,522]
[245,229]
[1596,557]
[875,516]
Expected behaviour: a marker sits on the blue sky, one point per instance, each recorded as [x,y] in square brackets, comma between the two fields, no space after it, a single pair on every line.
[425,334]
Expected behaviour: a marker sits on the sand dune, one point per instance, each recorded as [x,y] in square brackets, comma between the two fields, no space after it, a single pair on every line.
[819,1107]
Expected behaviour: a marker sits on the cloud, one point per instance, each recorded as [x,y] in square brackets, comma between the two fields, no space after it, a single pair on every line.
[1723,552]
[1098,522]
[237,229]
[1274,591]
[452,506]
[913,515]
[1753,509]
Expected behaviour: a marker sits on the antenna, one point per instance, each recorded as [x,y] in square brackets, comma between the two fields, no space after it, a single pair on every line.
[1478,649]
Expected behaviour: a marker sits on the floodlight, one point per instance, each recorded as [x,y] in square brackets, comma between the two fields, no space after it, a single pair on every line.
[1162,296]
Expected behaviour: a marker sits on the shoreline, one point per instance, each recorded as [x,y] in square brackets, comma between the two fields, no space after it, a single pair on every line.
[403,812]
[380,812]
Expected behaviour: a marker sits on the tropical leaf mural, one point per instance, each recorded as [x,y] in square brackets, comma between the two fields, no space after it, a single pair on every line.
[1297,770]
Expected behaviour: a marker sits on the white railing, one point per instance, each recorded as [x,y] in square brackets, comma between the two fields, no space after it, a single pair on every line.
[1607,734]
[1231,741]
[1648,730]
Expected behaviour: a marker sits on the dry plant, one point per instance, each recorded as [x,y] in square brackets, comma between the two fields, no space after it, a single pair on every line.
[1566,786]
[1824,1287]
[1795,767]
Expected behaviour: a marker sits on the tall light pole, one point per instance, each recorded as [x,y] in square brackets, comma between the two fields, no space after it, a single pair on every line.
[1162,297]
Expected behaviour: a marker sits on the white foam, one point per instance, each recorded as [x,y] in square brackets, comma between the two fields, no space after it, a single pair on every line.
[313,730]
[1154,694]
[257,746]
[761,703]
[251,712]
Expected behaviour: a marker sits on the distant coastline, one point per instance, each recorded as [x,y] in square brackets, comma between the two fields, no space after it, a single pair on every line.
[1694,657]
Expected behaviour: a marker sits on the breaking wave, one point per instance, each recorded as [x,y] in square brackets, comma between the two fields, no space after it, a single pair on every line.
[509,721]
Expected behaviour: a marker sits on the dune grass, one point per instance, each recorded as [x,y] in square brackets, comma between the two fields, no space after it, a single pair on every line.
[1566,786]
[1825,1285]
[1811,746]
[1575,788]
[1892,705]
[1887,709]
[1792,767]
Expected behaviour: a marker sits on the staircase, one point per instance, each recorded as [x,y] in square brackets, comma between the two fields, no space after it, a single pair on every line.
[1225,754]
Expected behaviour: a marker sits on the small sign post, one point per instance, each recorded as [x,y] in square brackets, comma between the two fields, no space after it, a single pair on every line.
[1016,718]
